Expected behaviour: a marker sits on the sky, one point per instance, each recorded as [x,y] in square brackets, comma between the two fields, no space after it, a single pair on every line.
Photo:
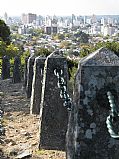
[59,7]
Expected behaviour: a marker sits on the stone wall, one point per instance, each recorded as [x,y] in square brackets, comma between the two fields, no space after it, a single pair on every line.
[87,135]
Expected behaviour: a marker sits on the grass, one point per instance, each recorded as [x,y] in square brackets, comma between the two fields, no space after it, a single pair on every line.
[49,152]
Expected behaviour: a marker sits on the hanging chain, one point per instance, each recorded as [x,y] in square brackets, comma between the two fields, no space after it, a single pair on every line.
[63,89]
[112,117]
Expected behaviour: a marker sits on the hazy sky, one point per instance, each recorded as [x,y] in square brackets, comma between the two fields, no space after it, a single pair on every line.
[59,7]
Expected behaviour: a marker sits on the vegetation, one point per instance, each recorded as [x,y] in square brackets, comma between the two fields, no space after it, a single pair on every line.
[42,52]
[81,37]
[65,44]
[87,49]
[59,36]
[4,32]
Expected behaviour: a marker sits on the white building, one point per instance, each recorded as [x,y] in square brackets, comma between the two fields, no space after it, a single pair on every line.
[107,30]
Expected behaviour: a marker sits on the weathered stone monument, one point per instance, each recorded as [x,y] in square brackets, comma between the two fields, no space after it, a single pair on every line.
[37,85]
[88,136]
[25,72]
[5,67]
[53,115]
[16,70]
[30,64]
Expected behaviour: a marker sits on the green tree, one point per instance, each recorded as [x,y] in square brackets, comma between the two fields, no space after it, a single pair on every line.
[58,36]
[42,52]
[65,44]
[12,50]
[2,48]
[38,32]
[4,32]
[82,37]
[14,27]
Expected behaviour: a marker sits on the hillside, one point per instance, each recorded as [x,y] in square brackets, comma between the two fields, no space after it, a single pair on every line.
[21,128]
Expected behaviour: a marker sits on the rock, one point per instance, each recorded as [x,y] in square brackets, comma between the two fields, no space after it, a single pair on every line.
[27,134]
[16,94]
[12,143]
[92,125]
[88,134]
[24,155]
[2,94]
[13,152]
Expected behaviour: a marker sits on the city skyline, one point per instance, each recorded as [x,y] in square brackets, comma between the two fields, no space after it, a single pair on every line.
[46,7]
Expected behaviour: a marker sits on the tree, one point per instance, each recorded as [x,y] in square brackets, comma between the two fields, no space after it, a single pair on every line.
[82,37]
[12,50]
[2,48]
[38,32]
[65,45]
[59,36]
[4,32]
[42,52]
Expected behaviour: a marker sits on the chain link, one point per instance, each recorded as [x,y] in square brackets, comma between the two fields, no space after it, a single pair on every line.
[67,102]
[112,117]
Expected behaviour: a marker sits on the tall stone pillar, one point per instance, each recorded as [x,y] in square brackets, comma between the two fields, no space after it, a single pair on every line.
[25,72]
[16,70]
[29,76]
[37,85]
[5,67]
[53,115]
[88,135]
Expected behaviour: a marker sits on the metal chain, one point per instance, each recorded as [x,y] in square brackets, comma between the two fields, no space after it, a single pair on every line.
[112,117]
[63,89]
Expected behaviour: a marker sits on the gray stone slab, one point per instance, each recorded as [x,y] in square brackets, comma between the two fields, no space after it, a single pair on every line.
[5,67]
[37,85]
[25,72]
[53,115]
[87,135]
[17,70]
[29,76]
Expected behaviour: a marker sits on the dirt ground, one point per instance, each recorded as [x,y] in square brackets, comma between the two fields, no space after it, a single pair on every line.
[21,128]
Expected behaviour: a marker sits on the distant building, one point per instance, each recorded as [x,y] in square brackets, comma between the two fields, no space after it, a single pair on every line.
[103,21]
[95,30]
[48,30]
[84,20]
[54,30]
[51,30]
[51,25]
[107,30]
[22,30]
[110,21]
[93,19]
[31,18]
[24,18]
[28,18]
[5,17]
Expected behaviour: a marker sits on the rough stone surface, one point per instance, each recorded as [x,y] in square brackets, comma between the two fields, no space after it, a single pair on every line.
[53,115]
[16,70]
[87,135]
[5,67]
[29,76]
[37,85]
[25,72]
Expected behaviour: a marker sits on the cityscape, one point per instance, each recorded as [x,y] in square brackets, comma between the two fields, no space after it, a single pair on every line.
[59,72]
[99,28]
